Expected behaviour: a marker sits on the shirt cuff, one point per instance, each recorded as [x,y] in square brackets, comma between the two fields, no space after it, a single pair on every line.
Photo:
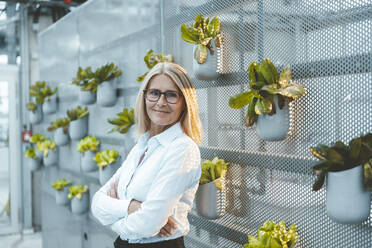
[122,207]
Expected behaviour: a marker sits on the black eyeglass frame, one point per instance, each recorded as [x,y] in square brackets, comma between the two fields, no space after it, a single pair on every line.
[163,93]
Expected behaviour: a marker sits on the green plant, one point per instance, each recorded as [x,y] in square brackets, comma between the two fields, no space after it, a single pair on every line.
[106,157]
[60,184]
[271,235]
[85,79]
[77,191]
[339,157]
[37,138]
[152,58]
[77,113]
[30,153]
[106,73]
[201,33]
[124,121]
[45,146]
[88,143]
[213,171]
[36,90]
[48,92]
[59,123]
[265,83]
[31,106]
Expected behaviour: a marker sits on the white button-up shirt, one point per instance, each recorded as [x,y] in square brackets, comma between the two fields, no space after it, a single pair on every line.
[165,182]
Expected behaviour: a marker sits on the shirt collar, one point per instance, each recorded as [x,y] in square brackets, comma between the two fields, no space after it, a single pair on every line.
[163,138]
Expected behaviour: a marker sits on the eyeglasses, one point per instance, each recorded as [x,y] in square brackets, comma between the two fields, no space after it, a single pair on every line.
[153,95]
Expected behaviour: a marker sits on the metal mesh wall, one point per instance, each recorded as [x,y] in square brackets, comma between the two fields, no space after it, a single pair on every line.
[329,45]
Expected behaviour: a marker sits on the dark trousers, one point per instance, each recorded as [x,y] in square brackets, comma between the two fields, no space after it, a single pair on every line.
[173,243]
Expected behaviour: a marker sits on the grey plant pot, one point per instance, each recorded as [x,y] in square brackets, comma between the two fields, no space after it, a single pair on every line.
[39,155]
[106,93]
[347,201]
[80,206]
[78,128]
[60,138]
[51,159]
[33,164]
[87,97]
[37,116]
[87,162]
[106,173]
[50,107]
[210,201]
[62,196]
[274,127]
[208,70]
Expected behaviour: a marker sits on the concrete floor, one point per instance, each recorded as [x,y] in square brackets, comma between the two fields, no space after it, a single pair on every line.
[17,241]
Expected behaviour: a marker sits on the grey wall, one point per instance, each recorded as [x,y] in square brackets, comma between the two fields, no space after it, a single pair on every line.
[329,47]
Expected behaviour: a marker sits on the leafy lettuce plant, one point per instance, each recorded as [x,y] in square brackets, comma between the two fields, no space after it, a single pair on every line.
[36,90]
[152,58]
[60,123]
[271,235]
[264,84]
[105,158]
[213,171]
[201,33]
[89,143]
[30,153]
[85,79]
[77,191]
[340,157]
[48,92]
[31,106]
[45,146]
[77,113]
[37,138]
[60,184]
[124,121]
[106,73]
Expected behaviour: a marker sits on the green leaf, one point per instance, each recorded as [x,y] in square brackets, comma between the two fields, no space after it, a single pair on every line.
[251,116]
[367,175]
[214,27]
[319,154]
[263,106]
[200,54]
[293,91]
[60,184]
[334,156]
[355,147]
[188,36]
[267,72]
[319,180]
[240,100]
[285,76]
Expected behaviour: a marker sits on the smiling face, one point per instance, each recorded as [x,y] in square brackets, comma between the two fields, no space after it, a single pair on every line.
[161,113]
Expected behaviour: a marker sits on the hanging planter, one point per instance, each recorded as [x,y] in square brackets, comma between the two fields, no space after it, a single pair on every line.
[62,191]
[79,196]
[35,114]
[151,59]
[107,161]
[32,161]
[274,127]
[50,104]
[207,38]
[211,195]
[268,99]
[87,97]
[104,78]
[78,127]
[51,158]
[88,86]
[88,147]
[60,126]
[36,139]
[49,149]
[348,170]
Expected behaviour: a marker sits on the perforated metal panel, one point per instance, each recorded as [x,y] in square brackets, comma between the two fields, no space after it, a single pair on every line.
[329,46]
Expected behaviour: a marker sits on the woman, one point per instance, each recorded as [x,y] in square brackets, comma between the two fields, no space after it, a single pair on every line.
[147,201]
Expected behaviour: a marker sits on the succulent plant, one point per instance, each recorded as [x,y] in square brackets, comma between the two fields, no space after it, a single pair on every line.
[88,143]
[106,73]
[30,153]
[60,184]
[271,235]
[106,157]
[124,121]
[152,58]
[77,191]
[48,92]
[45,146]
[339,157]
[36,90]
[31,106]
[77,113]
[37,138]
[201,33]
[59,123]
[265,83]
[85,79]
[213,171]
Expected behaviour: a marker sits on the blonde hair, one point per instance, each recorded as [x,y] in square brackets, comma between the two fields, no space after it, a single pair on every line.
[190,121]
